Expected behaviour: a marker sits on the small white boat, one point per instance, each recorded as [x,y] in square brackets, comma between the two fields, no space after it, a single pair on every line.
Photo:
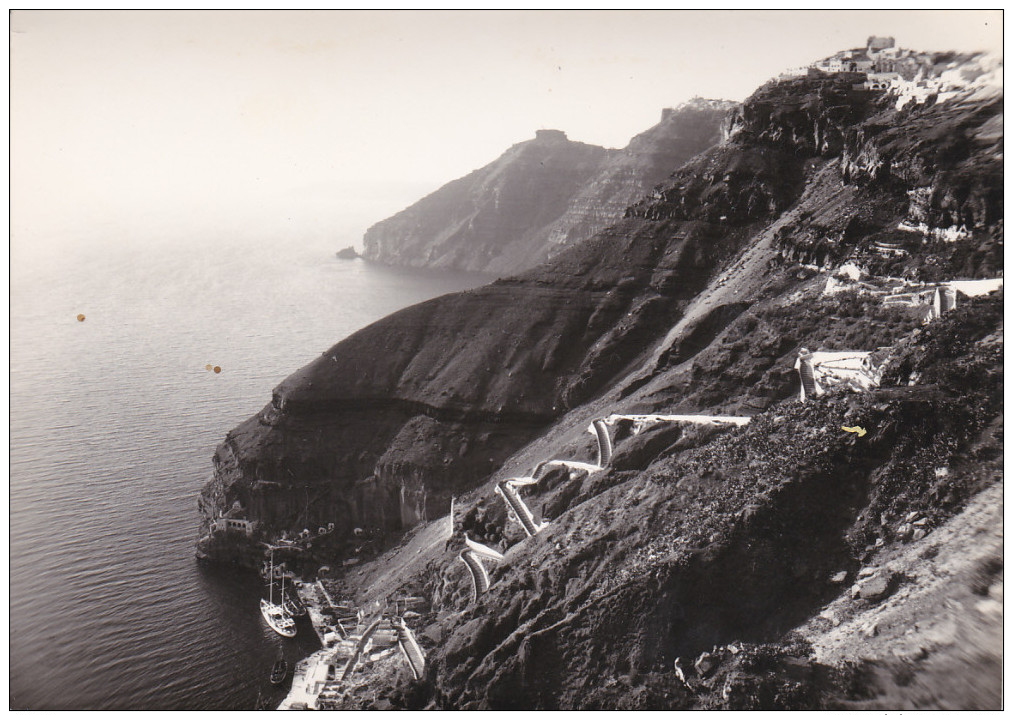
[274,613]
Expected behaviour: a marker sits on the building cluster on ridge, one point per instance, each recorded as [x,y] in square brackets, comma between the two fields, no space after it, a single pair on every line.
[879,56]
[912,76]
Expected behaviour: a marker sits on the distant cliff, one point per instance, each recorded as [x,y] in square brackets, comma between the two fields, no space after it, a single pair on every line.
[541,196]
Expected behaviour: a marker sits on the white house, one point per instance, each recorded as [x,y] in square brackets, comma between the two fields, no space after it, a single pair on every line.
[234,521]
[880,80]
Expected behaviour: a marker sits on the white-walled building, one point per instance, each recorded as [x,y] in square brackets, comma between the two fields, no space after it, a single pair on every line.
[880,80]
[235,521]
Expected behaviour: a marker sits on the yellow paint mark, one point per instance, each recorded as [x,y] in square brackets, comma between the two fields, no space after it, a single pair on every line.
[218,369]
[80,317]
[857,430]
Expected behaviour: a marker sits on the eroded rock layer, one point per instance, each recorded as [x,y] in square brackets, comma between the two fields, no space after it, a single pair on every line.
[541,196]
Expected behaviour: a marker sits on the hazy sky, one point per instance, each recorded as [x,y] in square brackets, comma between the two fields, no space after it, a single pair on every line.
[313,125]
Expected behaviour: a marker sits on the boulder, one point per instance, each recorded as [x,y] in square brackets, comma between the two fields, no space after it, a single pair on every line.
[876,588]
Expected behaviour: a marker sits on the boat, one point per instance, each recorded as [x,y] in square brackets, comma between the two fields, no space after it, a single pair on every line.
[276,617]
[279,672]
[274,613]
[292,603]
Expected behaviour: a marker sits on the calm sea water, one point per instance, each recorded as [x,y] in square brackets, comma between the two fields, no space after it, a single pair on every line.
[113,424]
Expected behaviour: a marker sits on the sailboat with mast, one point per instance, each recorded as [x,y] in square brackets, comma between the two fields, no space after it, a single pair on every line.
[274,613]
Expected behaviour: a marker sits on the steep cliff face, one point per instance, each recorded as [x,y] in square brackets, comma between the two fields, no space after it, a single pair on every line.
[937,167]
[648,160]
[474,220]
[698,300]
[750,567]
[385,426]
[540,197]
[381,429]
[950,160]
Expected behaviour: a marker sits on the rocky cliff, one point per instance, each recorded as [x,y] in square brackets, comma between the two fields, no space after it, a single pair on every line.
[541,196]
[705,566]
[431,399]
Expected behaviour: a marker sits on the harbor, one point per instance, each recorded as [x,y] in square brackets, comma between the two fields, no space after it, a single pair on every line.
[376,642]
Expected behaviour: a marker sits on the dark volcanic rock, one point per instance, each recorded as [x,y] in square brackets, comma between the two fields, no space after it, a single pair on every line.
[693,538]
[381,429]
[660,565]
[541,196]
[470,223]
[384,427]
[696,540]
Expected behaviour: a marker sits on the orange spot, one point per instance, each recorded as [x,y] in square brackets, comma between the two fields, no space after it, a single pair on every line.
[217,369]
[80,317]
[208,367]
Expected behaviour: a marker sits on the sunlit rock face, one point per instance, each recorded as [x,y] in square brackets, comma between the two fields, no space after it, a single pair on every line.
[541,197]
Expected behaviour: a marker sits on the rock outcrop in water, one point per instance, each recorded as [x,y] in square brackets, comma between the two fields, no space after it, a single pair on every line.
[778,565]
[541,197]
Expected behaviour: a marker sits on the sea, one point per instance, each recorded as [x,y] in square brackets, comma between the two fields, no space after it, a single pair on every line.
[114,418]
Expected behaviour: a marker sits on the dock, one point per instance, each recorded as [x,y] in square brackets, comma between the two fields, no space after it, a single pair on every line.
[308,679]
[317,679]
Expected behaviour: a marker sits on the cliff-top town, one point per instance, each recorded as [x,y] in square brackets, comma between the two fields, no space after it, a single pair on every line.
[913,76]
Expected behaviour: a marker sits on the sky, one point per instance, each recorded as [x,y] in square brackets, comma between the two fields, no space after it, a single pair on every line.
[310,126]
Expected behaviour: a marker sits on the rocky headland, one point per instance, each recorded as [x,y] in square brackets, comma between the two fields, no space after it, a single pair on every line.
[541,196]
[790,563]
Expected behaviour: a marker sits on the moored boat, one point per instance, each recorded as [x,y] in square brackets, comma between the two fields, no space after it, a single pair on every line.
[292,603]
[274,613]
[279,672]
[275,616]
